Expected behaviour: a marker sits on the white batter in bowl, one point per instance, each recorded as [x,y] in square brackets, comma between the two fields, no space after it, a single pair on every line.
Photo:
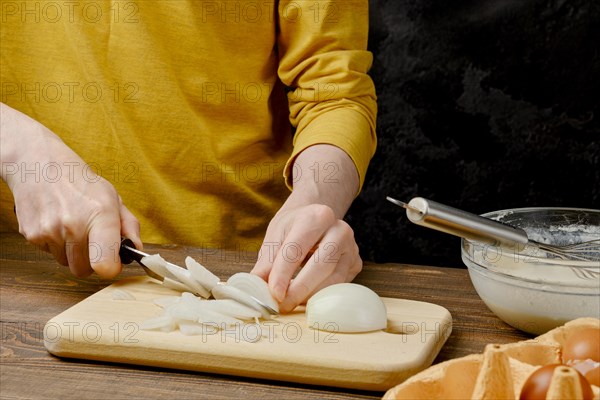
[527,289]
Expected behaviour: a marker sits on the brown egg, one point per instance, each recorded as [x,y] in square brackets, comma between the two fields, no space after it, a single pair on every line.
[590,369]
[582,345]
[536,386]
[593,376]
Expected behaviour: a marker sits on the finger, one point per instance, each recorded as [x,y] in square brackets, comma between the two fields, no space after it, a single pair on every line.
[266,256]
[47,236]
[288,259]
[104,240]
[303,235]
[58,252]
[130,227]
[333,258]
[300,292]
[76,249]
[271,244]
[309,277]
[336,260]
[341,275]
[54,245]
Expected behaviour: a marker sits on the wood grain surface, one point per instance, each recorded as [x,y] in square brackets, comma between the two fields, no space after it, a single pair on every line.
[34,288]
[104,329]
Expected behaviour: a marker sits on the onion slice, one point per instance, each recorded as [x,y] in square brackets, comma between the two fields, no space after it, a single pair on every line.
[175,285]
[201,274]
[185,277]
[235,302]
[183,311]
[232,308]
[211,317]
[230,292]
[346,308]
[255,286]
[156,264]
[163,323]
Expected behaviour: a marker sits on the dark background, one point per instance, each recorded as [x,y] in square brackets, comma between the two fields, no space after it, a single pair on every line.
[483,105]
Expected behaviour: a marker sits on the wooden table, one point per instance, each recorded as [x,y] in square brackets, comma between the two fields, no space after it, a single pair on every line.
[34,288]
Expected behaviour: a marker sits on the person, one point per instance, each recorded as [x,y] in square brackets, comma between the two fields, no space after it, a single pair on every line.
[192,120]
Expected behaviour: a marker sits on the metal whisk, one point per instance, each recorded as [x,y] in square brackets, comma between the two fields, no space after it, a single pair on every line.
[583,258]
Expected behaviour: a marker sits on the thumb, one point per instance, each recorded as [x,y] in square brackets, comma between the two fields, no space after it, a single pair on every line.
[104,240]
[266,256]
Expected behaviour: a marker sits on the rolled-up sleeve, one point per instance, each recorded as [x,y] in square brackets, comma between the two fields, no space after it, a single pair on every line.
[322,47]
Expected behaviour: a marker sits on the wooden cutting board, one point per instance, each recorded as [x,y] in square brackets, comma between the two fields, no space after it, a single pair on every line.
[101,328]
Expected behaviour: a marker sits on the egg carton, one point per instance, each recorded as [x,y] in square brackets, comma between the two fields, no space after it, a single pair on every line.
[499,372]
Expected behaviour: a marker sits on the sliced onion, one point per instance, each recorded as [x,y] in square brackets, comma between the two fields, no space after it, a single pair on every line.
[255,286]
[211,317]
[230,292]
[175,285]
[185,277]
[156,264]
[232,308]
[199,272]
[234,302]
[189,298]
[163,323]
[188,307]
[183,311]
[190,328]
[346,307]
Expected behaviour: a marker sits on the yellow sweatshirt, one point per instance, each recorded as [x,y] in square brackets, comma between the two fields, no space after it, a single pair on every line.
[185,106]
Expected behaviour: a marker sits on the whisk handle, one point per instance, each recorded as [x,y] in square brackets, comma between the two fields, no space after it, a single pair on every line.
[464,224]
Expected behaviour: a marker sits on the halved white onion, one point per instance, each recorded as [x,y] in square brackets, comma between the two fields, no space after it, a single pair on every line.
[201,273]
[346,307]
[255,286]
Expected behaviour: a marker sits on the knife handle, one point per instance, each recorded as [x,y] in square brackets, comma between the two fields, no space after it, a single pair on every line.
[128,252]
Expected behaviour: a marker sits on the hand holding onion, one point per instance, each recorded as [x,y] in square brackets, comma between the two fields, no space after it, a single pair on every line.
[287,247]
[308,231]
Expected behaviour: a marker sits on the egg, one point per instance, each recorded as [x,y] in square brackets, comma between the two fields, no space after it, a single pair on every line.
[582,345]
[593,376]
[536,386]
[588,368]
